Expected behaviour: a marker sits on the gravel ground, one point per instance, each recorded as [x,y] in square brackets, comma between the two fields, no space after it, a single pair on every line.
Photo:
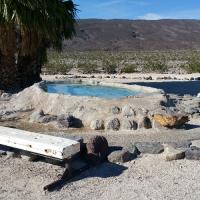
[146,178]
[149,177]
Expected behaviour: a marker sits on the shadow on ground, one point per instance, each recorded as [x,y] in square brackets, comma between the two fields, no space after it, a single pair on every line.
[105,170]
[191,126]
[175,87]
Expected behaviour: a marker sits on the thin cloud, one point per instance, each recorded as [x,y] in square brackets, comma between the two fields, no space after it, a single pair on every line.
[124,2]
[151,16]
[184,14]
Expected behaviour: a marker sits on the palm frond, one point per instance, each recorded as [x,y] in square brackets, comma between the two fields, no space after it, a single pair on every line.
[52,20]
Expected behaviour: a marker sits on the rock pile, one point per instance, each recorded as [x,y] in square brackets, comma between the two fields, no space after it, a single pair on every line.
[60,121]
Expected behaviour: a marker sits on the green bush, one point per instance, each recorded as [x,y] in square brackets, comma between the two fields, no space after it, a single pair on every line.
[129,69]
[88,68]
[193,65]
[109,67]
[155,62]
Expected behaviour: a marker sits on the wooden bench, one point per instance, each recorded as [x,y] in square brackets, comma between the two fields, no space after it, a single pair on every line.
[45,145]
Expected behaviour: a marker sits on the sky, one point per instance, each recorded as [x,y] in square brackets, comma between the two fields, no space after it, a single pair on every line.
[138,9]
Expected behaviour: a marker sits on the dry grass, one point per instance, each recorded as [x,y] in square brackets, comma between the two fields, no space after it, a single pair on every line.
[122,62]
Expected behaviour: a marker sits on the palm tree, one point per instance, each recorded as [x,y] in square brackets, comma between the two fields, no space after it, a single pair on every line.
[27,29]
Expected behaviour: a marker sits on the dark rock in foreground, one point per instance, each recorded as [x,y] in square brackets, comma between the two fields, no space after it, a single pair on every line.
[97,149]
[120,156]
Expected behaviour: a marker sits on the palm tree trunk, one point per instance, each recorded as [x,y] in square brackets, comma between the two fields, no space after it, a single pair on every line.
[18,76]
[22,54]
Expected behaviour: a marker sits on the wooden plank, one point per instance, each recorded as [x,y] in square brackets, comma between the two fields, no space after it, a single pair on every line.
[51,146]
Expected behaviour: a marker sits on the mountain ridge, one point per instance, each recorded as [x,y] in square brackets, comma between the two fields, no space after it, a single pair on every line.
[130,35]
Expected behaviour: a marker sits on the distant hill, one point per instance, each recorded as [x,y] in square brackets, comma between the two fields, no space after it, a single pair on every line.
[125,35]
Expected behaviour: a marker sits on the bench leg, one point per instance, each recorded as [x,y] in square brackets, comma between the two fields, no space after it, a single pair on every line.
[65,177]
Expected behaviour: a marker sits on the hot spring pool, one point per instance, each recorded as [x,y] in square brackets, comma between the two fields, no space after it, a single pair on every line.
[106,92]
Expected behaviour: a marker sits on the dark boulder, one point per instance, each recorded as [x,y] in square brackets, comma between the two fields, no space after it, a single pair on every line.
[97,149]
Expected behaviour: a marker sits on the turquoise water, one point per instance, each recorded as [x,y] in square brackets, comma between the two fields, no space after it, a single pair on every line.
[90,90]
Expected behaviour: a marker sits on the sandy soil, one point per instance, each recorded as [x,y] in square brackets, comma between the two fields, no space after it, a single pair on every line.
[146,178]
[126,77]
[149,177]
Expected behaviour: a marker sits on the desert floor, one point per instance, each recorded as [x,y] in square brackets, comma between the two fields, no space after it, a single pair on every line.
[149,177]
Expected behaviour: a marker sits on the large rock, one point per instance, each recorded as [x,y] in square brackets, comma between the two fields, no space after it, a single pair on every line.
[193,153]
[144,122]
[171,153]
[150,147]
[115,110]
[120,156]
[97,124]
[141,112]
[128,111]
[97,149]
[66,121]
[171,121]
[128,125]
[113,124]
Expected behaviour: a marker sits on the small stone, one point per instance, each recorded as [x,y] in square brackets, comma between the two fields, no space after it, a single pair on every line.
[150,148]
[171,153]
[144,122]
[97,149]
[149,78]
[35,116]
[113,124]
[115,110]
[128,111]
[133,150]
[68,121]
[120,156]
[129,125]
[97,125]
[47,118]
[193,153]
